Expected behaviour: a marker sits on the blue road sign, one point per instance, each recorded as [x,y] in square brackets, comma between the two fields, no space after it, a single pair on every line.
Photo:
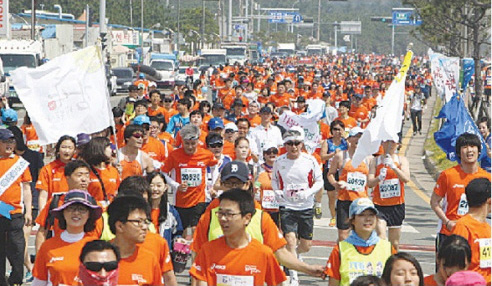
[406,17]
[284,17]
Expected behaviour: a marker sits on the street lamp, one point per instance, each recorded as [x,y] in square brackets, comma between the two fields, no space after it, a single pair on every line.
[190,34]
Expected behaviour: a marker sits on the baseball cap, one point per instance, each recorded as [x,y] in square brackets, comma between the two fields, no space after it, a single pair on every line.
[254,102]
[215,123]
[141,119]
[9,115]
[231,126]
[190,132]
[235,169]
[218,106]
[238,102]
[354,131]
[79,197]
[214,138]
[152,84]
[359,205]
[132,88]
[6,134]
[465,278]
[269,145]
[82,139]
[265,109]
[296,133]
[357,95]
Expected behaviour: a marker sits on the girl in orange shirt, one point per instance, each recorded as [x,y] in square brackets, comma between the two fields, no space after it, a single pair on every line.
[57,261]
[104,177]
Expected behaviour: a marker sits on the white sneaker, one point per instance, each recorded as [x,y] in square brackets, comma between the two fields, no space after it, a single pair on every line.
[294,279]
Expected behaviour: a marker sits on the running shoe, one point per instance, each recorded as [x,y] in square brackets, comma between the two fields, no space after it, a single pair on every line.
[28,277]
[317,212]
[333,222]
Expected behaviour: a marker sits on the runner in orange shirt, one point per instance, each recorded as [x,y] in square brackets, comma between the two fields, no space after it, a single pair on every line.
[388,174]
[227,91]
[190,165]
[475,228]
[252,116]
[230,136]
[352,182]
[57,259]
[240,257]
[51,178]
[16,202]
[104,177]
[348,121]
[155,104]
[32,139]
[170,111]
[129,221]
[359,112]
[152,146]
[266,195]
[134,161]
[450,185]
[196,118]
[156,130]
[281,98]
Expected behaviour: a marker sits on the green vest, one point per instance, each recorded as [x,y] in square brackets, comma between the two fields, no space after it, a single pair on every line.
[354,264]
[253,228]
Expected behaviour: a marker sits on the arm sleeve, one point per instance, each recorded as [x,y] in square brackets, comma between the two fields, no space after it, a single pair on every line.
[333,264]
[198,268]
[200,236]
[318,178]
[170,126]
[39,270]
[440,188]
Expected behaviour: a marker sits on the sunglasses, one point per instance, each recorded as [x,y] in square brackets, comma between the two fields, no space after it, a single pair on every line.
[271,151]
[168,100]
[229,131]
[137,135]
[216,145]
[97,266]
[292,143]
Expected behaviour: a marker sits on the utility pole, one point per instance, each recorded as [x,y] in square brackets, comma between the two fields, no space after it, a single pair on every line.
[141,27]
[229,34]
[179,33]
[203,25]
[319,20]
[87,19]
[102,17]
[131,13]
[246,32]
[33,20]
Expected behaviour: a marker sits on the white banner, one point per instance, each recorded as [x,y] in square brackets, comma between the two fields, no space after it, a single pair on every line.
[4,19]
[308,121]
[445,74]
[387,123]
[66,96]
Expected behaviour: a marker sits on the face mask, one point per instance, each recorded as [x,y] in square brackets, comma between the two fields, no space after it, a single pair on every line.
[93,278]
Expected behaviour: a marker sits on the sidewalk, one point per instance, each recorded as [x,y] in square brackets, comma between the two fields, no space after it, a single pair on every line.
[422,182]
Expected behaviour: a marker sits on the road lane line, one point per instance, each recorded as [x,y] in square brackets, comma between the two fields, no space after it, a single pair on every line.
[411,184]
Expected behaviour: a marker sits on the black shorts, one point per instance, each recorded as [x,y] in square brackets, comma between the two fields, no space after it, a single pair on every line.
[329,187]
[343,214]
[300,222]
[393,215]
[190,216]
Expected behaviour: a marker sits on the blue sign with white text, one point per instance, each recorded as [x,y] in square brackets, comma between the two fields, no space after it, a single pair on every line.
[284,17]
[406,18]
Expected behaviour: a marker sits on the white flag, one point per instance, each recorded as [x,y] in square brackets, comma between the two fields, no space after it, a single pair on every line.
[387,123]
[308,121]
[445,74]
[66,96]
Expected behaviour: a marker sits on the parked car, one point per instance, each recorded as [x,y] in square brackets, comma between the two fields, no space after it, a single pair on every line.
[124,78]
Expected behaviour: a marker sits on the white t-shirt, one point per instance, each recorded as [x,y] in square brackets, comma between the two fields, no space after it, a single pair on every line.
[294,176]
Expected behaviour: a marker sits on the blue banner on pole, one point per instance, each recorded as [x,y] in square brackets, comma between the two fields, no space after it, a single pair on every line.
[468,72]
[458,121]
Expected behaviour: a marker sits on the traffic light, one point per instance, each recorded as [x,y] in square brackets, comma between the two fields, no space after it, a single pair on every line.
[104,40]
[382,19]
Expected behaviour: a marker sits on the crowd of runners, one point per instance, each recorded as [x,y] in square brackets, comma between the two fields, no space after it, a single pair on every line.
[209,183]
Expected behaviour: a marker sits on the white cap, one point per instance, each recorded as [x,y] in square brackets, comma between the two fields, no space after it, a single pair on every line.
[152,84]
[231,126]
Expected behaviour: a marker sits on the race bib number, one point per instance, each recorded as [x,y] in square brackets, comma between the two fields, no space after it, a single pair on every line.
[485,257]
[463,206]
[235,280]
[293,191]
[390,188]
[193,176]
[356,181]
[269,201]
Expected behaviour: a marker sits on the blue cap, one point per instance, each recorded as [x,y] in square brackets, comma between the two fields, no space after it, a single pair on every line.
[215,123]
[141,75]
[6,134]
[141,119]
[359,205]
[9,115]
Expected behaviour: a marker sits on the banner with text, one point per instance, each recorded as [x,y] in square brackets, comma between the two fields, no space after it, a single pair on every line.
[445,73]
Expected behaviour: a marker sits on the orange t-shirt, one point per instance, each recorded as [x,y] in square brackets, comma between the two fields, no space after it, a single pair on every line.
[32,139]
[255,121]
[356,179]
[229,100]
[155,149]
[120,130]
[43,215]
[164,136]
[52,179]
[333,264]
[191,169]
[349,122]
[255,263]
[57,261]
[226,92]
[141,268]
[271,235]
[13,194]
[359,113]
[169,113]
[111,180]
[154,112]
[281,100]
[429,280]
[158,245]
[451,187]
[393,189]
[369,102]
[478,235]
[229,149]
[265,179]
[324,130]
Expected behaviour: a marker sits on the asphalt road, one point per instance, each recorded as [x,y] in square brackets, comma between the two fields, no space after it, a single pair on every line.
[419,229]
